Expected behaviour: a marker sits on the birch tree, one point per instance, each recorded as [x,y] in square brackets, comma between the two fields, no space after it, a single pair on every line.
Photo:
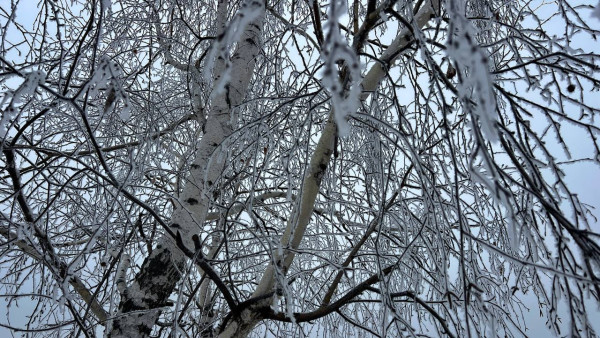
[299,168]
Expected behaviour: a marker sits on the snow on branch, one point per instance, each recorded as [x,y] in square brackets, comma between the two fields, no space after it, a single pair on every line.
[107,77]
[248,12]
[475,85]
[336,51]
[476,92]
[26,89]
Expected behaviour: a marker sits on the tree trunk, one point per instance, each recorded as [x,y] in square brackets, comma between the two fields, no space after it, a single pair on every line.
[142,301]
[298,222]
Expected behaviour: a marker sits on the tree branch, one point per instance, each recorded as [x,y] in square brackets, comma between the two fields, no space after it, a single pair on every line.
[56,265]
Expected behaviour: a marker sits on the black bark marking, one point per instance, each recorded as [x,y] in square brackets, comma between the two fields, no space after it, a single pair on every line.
[319,176]
[192,201]
[197,244]
[158,265]
[227,98]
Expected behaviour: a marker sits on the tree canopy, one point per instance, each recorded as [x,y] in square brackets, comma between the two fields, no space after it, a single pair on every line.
[299,168]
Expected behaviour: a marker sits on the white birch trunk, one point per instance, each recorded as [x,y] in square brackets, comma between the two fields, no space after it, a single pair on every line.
[296,226]
[141,303]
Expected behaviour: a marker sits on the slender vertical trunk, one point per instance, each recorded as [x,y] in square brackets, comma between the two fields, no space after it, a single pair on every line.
[142,301]
[243,324]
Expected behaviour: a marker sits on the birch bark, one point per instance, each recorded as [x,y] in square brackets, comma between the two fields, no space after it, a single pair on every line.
[298,223]
[142,301]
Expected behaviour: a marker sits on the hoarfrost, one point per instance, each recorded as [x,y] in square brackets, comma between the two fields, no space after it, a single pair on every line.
[107,78]
[475,89]
[475,83]
[485,174]
[249,11]
[27,88]
[336,49]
